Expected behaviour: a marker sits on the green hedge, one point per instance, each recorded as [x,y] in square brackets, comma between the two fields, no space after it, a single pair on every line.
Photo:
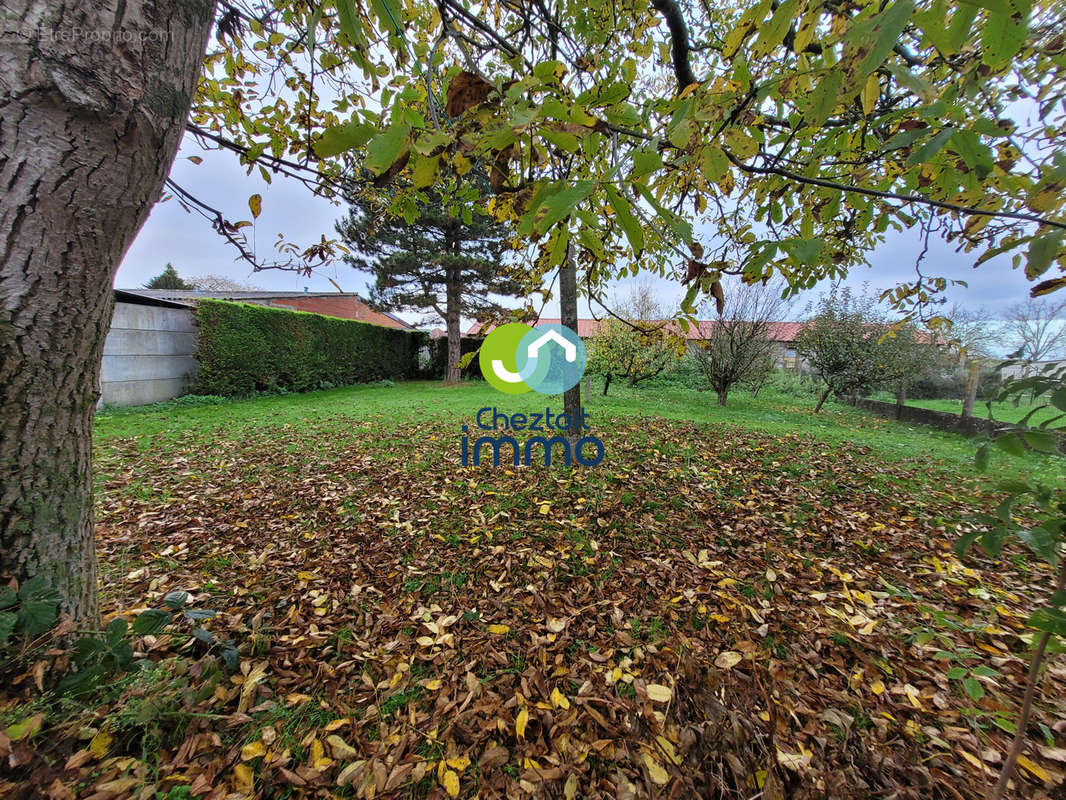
[246,348]
[438,367]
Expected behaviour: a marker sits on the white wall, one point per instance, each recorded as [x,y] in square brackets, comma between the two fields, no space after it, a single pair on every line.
[148,355]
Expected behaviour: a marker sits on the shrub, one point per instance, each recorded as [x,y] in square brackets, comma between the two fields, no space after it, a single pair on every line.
[246,348]
[437,365]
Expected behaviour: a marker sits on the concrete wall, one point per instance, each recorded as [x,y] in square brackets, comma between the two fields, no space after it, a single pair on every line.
[148,356]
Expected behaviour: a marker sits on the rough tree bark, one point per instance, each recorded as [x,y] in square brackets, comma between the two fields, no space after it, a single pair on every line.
[971,391]
[93,100]
[568,317]
[451,322]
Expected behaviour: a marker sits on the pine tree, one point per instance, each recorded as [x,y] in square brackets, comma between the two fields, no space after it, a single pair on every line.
[436,263]
[168,279]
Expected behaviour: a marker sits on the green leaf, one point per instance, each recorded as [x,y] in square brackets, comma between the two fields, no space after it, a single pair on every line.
[773,32]
[7,625]
[1052,620]
[888,25]
[628,222]
[424,172]
[976,155]
[151,621]
[1042,251]
[955,673]
[339,138]
[116,630]
[349,22]
[386,147]
[963,543]
[7,597]
[1004,34]
[1058,399]
[931,148]
[176,599]
[644,163]
[824,98]
[38,607]
[1010,443]
[974,688]
[466,358]
[1041,440]
[560,203]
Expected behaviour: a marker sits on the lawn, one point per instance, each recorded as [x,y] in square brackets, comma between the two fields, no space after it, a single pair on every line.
[738,602]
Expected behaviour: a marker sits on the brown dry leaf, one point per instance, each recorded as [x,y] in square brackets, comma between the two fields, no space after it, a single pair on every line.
[728,659]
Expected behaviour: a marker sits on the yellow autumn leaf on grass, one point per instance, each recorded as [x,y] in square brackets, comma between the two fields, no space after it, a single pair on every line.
[341,749]
[545,508]
[1033,767]
[570,789]
[499,630]
[458,763]
[659,693]
[450,782]
[728,659]
[100,744]
[655,770]
[520,723]
[877,687]
[252,750]
[244,778]
[559,699]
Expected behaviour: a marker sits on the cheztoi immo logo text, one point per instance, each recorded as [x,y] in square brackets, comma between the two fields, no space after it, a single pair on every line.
[548,359]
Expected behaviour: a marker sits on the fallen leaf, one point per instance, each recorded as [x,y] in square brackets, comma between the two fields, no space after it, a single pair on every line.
[659,693]
[728,659]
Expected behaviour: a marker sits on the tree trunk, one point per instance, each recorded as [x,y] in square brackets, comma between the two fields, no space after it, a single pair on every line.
[588,388]
[821,401]
[606,383]
[723,395]
[901,398]
[971,392]
[455,343]
[91,113]
[568,315]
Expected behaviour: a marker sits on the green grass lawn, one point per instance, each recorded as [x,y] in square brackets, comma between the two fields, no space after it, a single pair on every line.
[771,412]
[1004,412]
[510,632]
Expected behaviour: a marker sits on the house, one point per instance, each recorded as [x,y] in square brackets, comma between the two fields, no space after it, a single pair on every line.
[150,350]
[783,334]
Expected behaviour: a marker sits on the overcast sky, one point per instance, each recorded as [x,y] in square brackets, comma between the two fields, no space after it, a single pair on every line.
[188,242]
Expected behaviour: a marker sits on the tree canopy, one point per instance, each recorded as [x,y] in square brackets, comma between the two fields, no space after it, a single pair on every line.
[168,279]
[687,140]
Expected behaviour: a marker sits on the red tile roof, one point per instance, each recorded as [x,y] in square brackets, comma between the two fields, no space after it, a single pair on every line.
[586,328]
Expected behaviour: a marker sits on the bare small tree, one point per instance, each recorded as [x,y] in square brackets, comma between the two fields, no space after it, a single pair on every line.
[736,348]
[976,340]
[220,283]
[636,347]
[1037,328]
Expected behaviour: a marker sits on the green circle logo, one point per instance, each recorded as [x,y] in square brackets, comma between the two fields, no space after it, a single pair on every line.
[516,358]
[498,359]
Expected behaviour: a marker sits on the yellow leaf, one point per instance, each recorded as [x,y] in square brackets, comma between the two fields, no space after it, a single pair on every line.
[794,761]
[244,778]
[251,680]
[499,629]
[459,763]
[307,576]
[877,687]
[570,789]
[728,659]
[255,203]
[870,92]
[655,770]
[432,685]
[100,744]
[1033,767]
[450,782]
[342,751]
[544,508]
[659,693]
[252,750]
[520,723]
[559,699]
